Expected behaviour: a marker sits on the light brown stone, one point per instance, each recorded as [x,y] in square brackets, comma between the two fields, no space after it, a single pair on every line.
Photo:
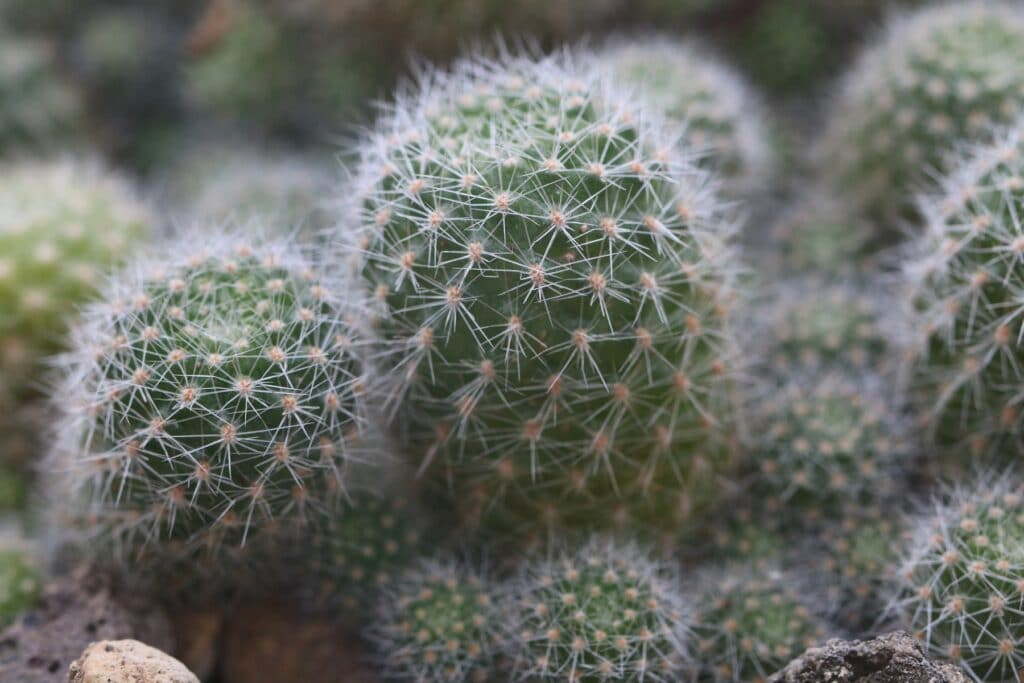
[127,661]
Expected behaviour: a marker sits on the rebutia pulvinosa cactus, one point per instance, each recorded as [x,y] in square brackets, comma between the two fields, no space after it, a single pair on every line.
[938,77]
[964,278]
[441,621]
[721,120]
[214,389]
[959,585]
[605,613]
[553,286]
[36,107]
[749,625]
[62,224]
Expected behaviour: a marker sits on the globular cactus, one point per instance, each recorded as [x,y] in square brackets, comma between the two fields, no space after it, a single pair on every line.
[749,625]
[62,224]
[350,556]
[959,585]
[20,583]
[441,622]
[720,118]
[37,108]
[938,77]
[813,324]
[553,286]
[822,234]
[605,613]
[749,536]
[963,280]
[825,441]
[215,391]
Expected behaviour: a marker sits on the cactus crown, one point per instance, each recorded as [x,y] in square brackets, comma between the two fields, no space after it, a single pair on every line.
[944,74]
[553,284]
[210,393]
[964,281]
[959,587]
[606,613]
[440,622]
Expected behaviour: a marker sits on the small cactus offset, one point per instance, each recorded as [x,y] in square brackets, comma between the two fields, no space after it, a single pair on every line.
[553,285]
[959,585]
[62,224]
[945,74]
[748,626]
[605,613]
[964,277]
[37,108]
[826,441]
[353,554]
[723,122]
[213,392]
[441,622]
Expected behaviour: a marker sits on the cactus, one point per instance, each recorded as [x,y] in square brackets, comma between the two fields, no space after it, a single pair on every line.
[213,392]
[823,234]
[20,584]
[959,584]
[749,625]
[62,224]
[745,538]
[553,288]
[354,554]
[937,78]
[824,441]
[37,108]
[440,622]
[717,110]
[963,280]
[605,613]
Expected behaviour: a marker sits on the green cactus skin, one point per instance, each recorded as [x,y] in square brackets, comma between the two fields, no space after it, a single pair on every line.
[959,588]
[20,584]
[717,110]
[748,626]
[553,288]
[440,622]
[823,234]
[62,224]
[215,390]
[825,441]
[37,108]
[963,317]
[745,538]
[937,78]
[605,613]
[351,556]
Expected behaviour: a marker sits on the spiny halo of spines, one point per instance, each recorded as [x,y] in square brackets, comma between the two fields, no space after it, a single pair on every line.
[959,586]
[553,285]
[964,279]
[62,224]
[749,625]
[440,621]
[826,441]
[945,74]
[721,118]
[215,389]
[605,613]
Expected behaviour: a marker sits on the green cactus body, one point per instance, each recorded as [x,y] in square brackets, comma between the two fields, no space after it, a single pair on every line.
[938,78]
[440,622]
[824,442]
[214,392]
[37,108]
[959,587]
[749,626]
[553,288]
[964,310]
[354,554]
[62,225]
[745,539]
[823,235]
[607,613]
[20,584]
[720,116]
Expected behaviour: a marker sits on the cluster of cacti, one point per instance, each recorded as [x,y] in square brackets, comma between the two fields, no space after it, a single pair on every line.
[554,301]
[220,389]
[938,78]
